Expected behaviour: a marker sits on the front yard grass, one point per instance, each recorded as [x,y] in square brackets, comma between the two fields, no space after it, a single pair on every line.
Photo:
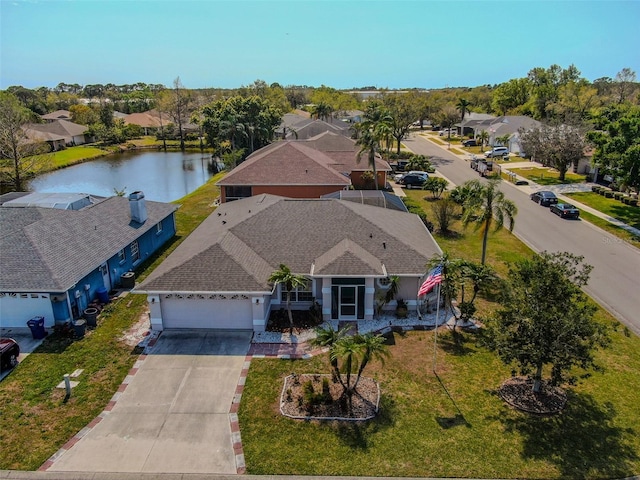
[35,420]
[547,176]
[610,206]
[453,424]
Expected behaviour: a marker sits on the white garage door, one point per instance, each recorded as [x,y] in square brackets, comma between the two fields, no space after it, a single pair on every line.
[231,312]
[16,309]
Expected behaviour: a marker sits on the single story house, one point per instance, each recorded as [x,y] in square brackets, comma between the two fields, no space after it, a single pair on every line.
[57,115]
[145,120]
[218,278]
[71,133]
[57,250]
[499,127]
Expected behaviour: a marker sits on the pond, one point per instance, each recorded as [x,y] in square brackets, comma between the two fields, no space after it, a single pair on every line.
[162,176]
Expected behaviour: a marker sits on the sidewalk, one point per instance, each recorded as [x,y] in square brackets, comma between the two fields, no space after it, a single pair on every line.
[559,190]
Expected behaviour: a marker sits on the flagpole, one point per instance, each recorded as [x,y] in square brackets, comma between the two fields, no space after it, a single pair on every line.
[435,336]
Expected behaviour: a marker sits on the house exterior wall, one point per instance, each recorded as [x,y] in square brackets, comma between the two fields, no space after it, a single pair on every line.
[291,191]
[359,183]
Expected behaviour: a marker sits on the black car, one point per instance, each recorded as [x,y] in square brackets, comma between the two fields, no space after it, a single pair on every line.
[9,351]
[471,142]
[544,198]
[412,180]
[565,210]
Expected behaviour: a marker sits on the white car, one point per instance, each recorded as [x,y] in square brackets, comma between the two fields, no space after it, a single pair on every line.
[399,176]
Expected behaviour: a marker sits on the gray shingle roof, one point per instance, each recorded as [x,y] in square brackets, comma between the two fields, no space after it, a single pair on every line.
[238,246]
[59,127]
[46,249]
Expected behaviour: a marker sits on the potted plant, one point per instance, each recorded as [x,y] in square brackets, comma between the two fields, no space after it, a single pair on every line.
[401,308]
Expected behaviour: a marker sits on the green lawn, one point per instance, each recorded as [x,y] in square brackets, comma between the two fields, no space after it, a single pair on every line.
[547,176]
[609,206]
[35,421]
[453,424]
[73,155]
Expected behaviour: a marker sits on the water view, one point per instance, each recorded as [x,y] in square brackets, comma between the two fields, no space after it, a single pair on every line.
[162,176]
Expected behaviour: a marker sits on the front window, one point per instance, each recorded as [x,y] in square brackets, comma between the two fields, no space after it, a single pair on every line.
[159,227]
[301,294]
[236,192]
[135,252]
[122,256]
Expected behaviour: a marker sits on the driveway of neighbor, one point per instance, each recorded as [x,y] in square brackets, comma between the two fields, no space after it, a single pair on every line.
[174,414]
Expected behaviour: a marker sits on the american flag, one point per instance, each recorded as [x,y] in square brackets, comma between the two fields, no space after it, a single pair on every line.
[434,278]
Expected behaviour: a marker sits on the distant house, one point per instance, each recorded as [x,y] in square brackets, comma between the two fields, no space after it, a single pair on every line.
[500,126]
[148,122]
[218,277]
[68,132]
[58,250]
[301,169]
[299,127]
[57,115]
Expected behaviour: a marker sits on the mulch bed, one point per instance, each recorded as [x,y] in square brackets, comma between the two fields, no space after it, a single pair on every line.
[364,402]
[302,320]
[518,392]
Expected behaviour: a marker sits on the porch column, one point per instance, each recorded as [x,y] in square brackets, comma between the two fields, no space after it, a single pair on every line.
[326,298]
[369,298]
[155,313]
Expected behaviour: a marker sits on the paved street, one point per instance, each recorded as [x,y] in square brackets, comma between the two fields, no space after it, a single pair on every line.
[616,263]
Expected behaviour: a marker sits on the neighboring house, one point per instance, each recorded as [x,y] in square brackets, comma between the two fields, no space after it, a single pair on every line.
[57,115]
[296,127]
[71,133]
[471,121]
[148,122]
[301,169]
[500,126]
[350,116]
[58,250]
[285,168]
[56,142]
[218,277]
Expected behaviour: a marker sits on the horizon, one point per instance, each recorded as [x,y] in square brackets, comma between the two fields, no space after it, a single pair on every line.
[342,45]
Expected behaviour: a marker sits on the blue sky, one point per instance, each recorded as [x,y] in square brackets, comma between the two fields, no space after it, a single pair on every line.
[342,44]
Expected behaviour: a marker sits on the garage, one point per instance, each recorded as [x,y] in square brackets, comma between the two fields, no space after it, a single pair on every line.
[231,312]
[18,308]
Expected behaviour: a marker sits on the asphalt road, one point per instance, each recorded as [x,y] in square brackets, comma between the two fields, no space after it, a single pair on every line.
[616,264]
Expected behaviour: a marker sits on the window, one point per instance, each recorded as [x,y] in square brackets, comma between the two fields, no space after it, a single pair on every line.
[122,256]
[302,294]
[236,192]
[135,252]
[159,227]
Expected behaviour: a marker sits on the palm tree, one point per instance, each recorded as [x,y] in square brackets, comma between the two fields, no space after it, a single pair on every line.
[486,205]
[322,111]
[375,127]
[289,281]
[483,136]
[463,107]
[328,337]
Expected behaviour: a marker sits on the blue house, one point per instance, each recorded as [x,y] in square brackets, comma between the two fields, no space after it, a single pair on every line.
[57,251]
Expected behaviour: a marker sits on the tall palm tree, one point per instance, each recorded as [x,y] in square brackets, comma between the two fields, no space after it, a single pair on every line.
[375,127]
[483,136]
[289,281]
[486,206]
[463,107]
[322,111]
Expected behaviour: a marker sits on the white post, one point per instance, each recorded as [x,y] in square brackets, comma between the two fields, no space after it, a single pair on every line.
[435,336]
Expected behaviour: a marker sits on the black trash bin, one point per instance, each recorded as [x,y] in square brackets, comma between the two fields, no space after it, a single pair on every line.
[79,327]
[36,324]
[91,314]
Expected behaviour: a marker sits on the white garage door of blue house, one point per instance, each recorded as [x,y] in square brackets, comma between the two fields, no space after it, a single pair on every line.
[16,309]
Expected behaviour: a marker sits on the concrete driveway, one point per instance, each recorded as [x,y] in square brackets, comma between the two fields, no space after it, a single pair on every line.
[173,414]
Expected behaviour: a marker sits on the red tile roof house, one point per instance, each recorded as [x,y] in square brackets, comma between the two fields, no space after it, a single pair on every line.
[218,277]
[300,169]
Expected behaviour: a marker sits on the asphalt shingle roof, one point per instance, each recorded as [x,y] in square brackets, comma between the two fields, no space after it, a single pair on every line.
[47,249]
[238,246]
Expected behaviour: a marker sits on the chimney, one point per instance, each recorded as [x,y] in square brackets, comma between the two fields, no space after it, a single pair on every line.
[138,207]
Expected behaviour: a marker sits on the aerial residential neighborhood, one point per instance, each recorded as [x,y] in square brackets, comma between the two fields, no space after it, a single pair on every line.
[324,239]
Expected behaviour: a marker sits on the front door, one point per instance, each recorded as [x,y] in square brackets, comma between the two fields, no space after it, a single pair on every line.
[348,302]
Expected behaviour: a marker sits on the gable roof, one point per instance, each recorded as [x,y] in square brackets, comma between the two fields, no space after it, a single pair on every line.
[245,241]
[286,163]
[48,249]
[512,123]
[58,127]
[144,119]
[310,128]
[57,115]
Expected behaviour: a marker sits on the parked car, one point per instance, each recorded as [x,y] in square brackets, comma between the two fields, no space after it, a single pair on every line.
[399,176]
[9,351]
[445,132]
[399,166]
[544,198]
[497,152]
[470,142]
[413,180]
[565,210]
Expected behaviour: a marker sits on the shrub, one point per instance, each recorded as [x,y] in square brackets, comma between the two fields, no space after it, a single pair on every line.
[596,188]
[633,202]
[608,194]
[618,195]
